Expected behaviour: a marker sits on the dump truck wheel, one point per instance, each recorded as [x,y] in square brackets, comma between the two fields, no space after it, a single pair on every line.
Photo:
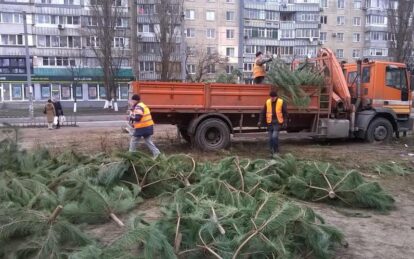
[212,134]
[184,135]
[379,130]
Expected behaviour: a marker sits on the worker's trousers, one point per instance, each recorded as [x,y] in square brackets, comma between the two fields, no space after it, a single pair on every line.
[273,130]
[148,141]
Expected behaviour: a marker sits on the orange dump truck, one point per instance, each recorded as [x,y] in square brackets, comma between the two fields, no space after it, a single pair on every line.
[366,100]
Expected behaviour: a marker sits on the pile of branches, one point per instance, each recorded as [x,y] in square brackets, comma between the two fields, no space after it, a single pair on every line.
[230,209]
[291,83]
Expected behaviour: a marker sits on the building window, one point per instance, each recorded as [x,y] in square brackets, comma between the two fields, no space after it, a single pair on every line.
[376,20]
[230,16]
[147,66]
[55,41]
[124,91]
[356,37]
[190,14]
[189,33]
[356,21]
[340,37]
[121,22]
[191,69]
[11,40]
[340,20]
[92,91]
[229,69]
[102,92]
[12,65]
[324,3]
[230,52]
[146,28]
[211,33]
[247,67]
[324,19]
[230,34]
[357,4]
[341,4]
[11,18]
[211,50]
[65,92]
[356,53]
[45,91]
[92,41]
[339,53]
[210,15]
[121,42]
[211,69]
[17,93]
[79,92]
[287,34]
[322,36]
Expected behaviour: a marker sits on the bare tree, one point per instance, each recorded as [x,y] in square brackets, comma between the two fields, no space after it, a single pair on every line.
[168,16]
[205,63]
[107,37]
[401,28]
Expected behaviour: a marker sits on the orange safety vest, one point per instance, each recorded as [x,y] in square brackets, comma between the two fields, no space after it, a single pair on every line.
[258,70]
[279,113]
[146,119]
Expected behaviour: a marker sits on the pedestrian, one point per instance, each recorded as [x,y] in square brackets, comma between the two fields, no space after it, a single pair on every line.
[141,120]
[275,111]
[59,111]
[50,113]
[259,69]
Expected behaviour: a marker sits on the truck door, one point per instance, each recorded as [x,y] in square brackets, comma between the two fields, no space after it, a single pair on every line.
[396,92]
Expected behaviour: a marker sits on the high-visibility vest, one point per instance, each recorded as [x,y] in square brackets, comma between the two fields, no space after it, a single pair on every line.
[279,111]
[258,70]
[146,119]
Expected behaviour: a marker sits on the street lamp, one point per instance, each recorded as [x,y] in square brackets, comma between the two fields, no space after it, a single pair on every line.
[28,68]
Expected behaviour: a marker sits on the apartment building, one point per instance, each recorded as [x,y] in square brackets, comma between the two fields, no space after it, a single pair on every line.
[288,28]
[343,28]
[212,37]
[376,29]
[60,45]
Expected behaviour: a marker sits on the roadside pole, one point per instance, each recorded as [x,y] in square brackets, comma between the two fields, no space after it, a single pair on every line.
[28,68]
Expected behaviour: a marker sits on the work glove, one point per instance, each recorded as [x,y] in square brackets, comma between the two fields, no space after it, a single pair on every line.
[259,124]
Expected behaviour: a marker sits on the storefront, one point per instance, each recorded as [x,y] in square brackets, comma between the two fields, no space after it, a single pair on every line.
[60,84]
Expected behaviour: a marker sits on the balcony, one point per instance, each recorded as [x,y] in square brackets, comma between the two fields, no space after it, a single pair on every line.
[288,25]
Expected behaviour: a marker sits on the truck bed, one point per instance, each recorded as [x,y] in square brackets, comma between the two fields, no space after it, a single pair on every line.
[171,97]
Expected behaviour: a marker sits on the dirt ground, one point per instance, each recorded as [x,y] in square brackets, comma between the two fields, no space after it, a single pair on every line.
[369,234]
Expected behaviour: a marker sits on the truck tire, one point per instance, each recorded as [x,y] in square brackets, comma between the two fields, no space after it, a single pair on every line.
[212,134]
[184,135]
[379,130]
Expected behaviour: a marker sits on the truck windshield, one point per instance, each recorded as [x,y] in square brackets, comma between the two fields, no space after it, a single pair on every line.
[395,77]
[366,75]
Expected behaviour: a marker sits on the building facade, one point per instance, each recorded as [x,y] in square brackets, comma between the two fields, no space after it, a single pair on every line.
[287,28]
[64,65]
[343,28]
[211,36]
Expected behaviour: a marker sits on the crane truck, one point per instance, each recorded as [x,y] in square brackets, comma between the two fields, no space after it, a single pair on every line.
[369,100]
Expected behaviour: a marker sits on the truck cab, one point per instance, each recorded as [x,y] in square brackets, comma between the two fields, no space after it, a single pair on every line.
[381,92]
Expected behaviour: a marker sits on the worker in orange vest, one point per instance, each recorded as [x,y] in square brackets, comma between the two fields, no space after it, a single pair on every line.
[141,120]
[275,111]
[259,69]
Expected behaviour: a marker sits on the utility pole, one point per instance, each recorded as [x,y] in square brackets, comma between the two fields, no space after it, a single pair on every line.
[241,41]
[134,37]
[182,47]
[28,67]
